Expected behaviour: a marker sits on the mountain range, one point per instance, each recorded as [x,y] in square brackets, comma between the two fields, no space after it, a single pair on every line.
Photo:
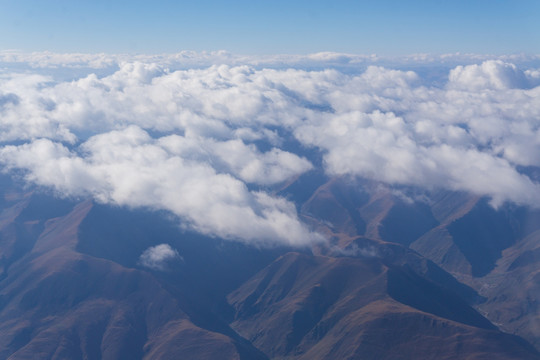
[405,274]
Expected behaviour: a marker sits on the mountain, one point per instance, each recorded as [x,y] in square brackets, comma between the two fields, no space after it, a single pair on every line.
[492,250]
[74,283]
[304,307]
[59,303]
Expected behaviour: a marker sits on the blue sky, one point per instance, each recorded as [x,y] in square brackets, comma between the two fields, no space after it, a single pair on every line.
[384,27]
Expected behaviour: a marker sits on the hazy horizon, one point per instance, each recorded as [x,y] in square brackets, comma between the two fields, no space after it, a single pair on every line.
[388,27]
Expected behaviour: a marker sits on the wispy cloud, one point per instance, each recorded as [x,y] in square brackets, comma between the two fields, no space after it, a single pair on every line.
[157,257]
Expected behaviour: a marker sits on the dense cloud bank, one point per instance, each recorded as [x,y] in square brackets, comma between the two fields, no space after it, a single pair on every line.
[192,59]
[209,143]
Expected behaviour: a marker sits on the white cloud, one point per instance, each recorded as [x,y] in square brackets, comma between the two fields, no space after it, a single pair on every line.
[128,167]
[157,257]
[204,142]
[192,59]
[248,164]
[492,74]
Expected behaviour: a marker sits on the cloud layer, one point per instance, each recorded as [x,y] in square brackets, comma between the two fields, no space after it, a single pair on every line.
[209,143]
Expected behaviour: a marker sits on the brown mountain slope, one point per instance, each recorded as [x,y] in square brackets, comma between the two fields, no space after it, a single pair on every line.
[512,290]
[491,250]
[72,285]
[305,307]
[56,303]
[460,232]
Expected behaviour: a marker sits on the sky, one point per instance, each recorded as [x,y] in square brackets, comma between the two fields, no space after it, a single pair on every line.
[384,27]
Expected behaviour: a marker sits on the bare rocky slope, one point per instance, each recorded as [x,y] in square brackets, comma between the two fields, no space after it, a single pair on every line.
[399,279]
[494,251]
[306,307]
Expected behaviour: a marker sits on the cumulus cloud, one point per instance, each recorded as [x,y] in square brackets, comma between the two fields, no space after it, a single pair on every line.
[157,257]
[492,74]
[210,144]
[128,167]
